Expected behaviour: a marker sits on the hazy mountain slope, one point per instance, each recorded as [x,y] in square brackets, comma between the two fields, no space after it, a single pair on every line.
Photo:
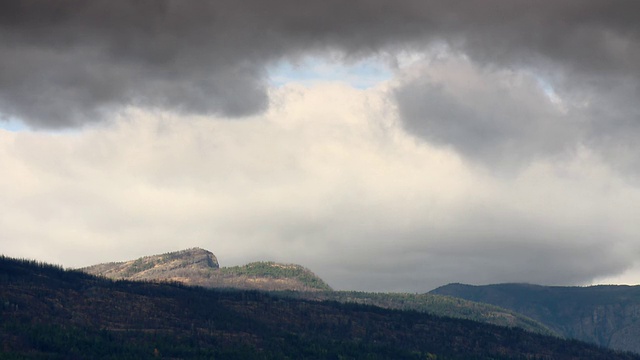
[433,304]
[49,313]
[200,267]
[605,315]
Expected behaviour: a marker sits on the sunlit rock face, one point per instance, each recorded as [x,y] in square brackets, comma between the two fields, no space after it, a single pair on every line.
[158,267]
[200,267]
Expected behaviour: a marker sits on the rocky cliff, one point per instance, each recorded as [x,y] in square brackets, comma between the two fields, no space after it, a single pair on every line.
[200,267]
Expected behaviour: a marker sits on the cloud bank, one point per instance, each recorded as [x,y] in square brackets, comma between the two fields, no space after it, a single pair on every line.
[326,178]
[70,62]
[503,148]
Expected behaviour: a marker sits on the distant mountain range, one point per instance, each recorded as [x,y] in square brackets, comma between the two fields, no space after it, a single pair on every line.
[605,315]
[47,312]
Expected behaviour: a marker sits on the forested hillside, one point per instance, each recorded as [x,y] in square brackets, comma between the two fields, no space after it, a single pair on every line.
[605,315]
[433,304]
[50,313]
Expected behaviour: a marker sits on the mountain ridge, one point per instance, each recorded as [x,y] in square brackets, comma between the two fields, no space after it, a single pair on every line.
[606,315]
[200,267]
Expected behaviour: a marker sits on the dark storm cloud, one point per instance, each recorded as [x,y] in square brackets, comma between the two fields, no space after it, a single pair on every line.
[69,62]
[493,123]
[586,55]
[506,119]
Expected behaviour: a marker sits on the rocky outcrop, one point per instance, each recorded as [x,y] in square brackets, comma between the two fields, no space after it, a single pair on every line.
[156,267]
[200,267]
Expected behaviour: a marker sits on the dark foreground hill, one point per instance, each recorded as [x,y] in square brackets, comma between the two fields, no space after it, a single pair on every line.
[200,267]
[605,315]
[49,313]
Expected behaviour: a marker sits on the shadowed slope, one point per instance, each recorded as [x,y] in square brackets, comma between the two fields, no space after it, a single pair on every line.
[49,313]
[605,315]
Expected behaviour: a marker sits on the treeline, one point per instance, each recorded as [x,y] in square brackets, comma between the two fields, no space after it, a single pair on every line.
[278,271]
[13,269]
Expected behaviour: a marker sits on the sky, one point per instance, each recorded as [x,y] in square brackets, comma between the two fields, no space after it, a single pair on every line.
[385,145]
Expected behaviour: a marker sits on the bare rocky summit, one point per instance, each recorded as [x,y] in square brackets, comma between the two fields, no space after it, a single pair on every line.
[200,267]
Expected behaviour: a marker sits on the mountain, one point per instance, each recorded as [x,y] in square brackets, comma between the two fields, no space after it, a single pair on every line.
[438,305]
[604,315]
[47,312]
[200,267]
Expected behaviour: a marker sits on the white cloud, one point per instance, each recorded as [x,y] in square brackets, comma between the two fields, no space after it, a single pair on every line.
[326,178]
